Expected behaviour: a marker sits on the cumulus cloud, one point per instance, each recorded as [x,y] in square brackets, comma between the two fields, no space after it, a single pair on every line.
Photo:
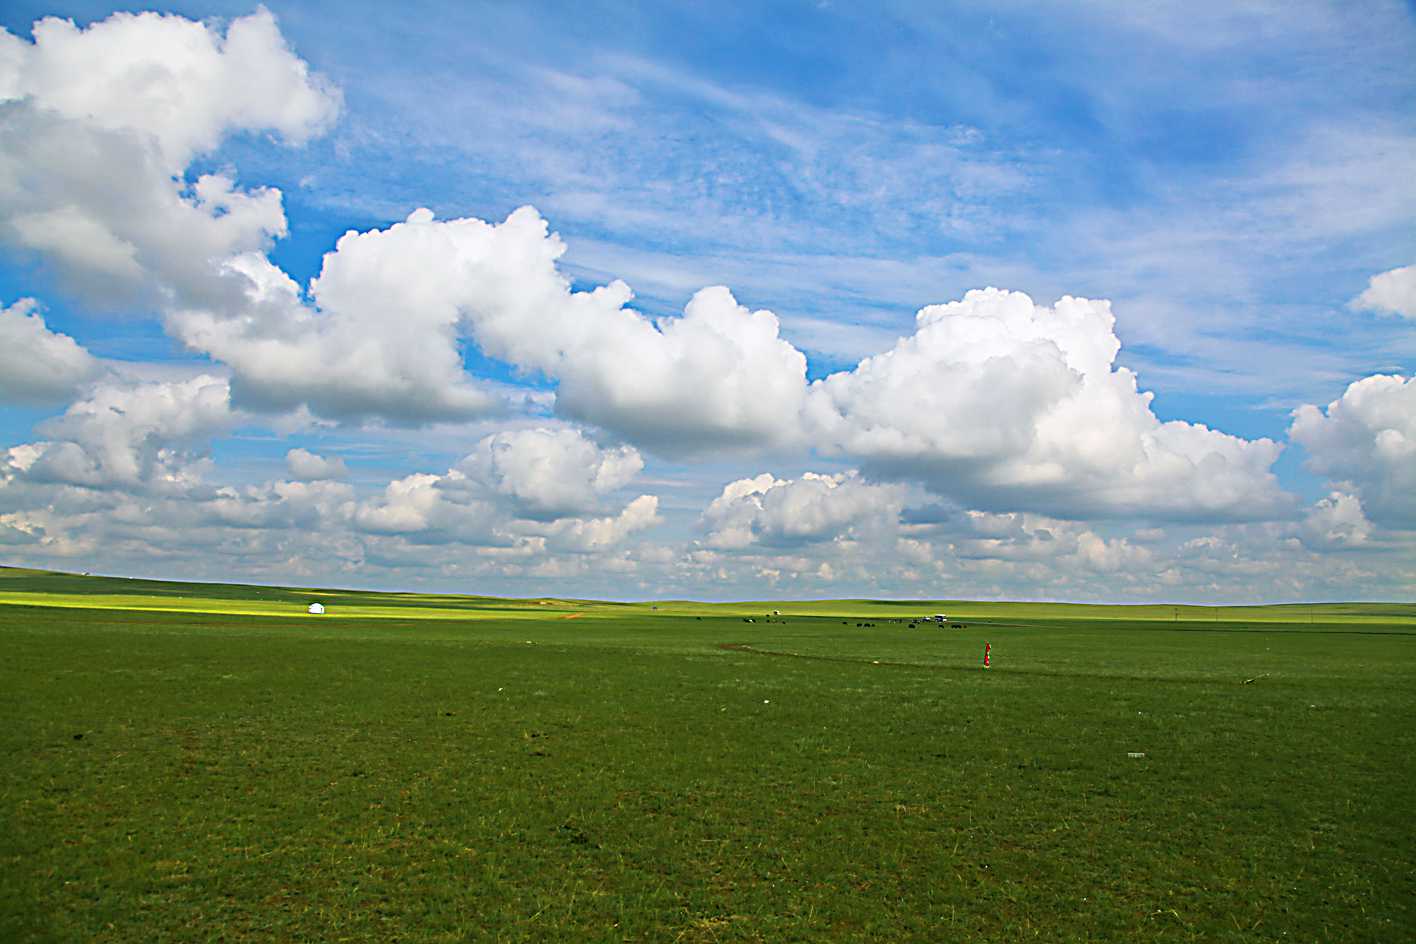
[813,533]
[1044,544]
[391,310]
[766,511]
[389,358]
[1366,441]
[550,473]
[178,82]
[1001,403]
[135,437]
[596,535]
[1391,292]
[99,125]
[816,535]
[540,488]
[719,377]
[308,467]
[124,471]
[1337,521]
[444,509]
[841,534]
[98,130]
[415,504]
[38,365]
[993,400]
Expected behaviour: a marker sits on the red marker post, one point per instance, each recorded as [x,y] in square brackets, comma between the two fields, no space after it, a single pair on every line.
[986,649]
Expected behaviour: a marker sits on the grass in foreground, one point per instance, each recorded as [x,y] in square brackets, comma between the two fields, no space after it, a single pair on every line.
[610,778]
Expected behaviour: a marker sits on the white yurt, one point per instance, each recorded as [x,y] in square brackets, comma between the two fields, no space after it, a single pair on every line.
[317,608]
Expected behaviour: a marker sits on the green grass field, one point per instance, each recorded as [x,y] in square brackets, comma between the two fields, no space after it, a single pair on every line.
[191,762]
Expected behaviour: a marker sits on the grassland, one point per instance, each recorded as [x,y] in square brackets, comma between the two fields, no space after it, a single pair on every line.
[208,763]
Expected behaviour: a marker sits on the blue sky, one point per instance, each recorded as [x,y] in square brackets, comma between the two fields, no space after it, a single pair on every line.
[1193,381]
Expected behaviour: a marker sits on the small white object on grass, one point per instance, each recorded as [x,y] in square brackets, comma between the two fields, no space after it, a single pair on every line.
[766,702]
[1134,754]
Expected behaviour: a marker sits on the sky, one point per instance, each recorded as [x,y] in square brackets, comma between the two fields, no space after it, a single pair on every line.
[1095,301]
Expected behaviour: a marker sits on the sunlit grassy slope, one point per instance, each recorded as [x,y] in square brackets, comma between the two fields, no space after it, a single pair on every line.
[187,762]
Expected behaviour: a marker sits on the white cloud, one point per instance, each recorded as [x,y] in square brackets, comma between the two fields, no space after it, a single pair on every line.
[413,504]
[101,126]
[38,365]
[391,309]
[1001,403]
[766,511]
[425,509]
[812,535]
[720,377]
[1037,541]
[596,535]
[175,81]
[131,436]
[717,378]
[382,356]
[839,535]
[1391,292]
[531,489]
[550,473]
[308,467]
[76,238]
[1337,521]
[275,507]
[124,475]
[1366,440]
[992,400]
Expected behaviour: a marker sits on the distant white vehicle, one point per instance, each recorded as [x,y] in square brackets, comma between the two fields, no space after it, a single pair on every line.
[941,618]
[317,609]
